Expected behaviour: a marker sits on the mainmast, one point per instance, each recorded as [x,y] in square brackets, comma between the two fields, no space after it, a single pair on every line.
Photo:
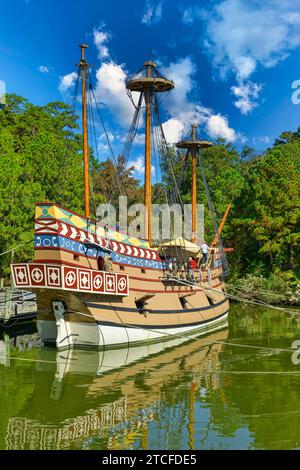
[148,157]
[83,67]
[148,84]
[193,146]
[194,183]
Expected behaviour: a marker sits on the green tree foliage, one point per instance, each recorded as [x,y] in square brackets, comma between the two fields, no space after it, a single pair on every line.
[110,180]
[40,161]
[269,208]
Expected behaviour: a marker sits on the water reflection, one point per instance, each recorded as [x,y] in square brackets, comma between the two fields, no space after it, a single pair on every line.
[213,392]
[107,399]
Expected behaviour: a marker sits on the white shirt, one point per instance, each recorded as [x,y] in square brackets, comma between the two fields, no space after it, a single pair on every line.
[204,248]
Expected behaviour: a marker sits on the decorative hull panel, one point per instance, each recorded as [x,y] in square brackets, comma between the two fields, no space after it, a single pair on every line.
[53,276]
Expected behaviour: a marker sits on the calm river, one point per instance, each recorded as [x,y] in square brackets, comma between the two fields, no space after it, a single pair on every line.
[234,388]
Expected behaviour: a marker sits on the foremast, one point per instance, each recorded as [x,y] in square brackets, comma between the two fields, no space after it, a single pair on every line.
[193,146]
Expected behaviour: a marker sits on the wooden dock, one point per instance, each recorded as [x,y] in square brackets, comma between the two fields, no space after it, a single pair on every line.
[16,306]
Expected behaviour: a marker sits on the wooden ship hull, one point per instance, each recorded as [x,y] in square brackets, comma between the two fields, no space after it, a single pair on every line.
[135,301]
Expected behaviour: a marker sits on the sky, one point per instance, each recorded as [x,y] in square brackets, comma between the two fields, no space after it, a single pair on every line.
[234,63]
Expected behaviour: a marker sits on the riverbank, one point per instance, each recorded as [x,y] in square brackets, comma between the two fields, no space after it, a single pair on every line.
[282,288]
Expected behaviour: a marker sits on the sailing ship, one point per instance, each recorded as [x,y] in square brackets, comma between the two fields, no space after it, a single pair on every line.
[82,302]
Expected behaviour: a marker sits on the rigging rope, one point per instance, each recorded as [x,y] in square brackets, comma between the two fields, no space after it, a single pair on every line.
[69,138]
[174,189]
[92,132]
[16,247]
[115,167]
[172,198]
[132,130]
[224,261]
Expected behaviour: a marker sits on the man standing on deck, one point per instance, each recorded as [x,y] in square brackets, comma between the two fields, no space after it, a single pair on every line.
[204,250]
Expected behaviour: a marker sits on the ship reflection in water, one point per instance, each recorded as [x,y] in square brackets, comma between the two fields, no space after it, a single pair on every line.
[211,392]
[108,399]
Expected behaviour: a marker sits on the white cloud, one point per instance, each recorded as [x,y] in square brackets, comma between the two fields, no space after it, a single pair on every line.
[181,73]
[264,139]
[173,130]
[111,78]
[116,140]
[111,90]
[110,135]
[139,166]
[139,139]
[66,82]
[292,18]
[191,14]
[44,69]
[152,13]
[185,112]
[244,35]
[111,82]
[217,126]
[246,95]
[100,39]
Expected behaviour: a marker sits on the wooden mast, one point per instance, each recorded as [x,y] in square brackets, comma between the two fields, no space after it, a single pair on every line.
[194,185]
[83,66]
[216,239]
[148,84]
[193,146]
[148,157]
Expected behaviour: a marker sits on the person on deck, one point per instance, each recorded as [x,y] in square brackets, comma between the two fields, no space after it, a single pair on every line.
[204,251]
[170,266]
[108,263]
[192,265]
[175,267]
[101,263]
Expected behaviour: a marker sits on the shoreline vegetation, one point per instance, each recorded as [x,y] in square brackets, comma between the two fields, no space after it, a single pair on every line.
[41,160]
[277,289]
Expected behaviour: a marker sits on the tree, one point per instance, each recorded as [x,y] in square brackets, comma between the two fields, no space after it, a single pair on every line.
[40,161]
[271,216]
[111,180]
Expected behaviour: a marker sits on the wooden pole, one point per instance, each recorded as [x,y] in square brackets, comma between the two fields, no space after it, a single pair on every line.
[144,440]
[191,423]
[215,240]
[83,65]
[194,186]
[148,166]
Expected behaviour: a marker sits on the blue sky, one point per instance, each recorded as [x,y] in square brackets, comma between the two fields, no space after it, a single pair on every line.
[233,61]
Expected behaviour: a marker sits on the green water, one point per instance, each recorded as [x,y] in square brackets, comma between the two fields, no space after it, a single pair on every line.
[207,393]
